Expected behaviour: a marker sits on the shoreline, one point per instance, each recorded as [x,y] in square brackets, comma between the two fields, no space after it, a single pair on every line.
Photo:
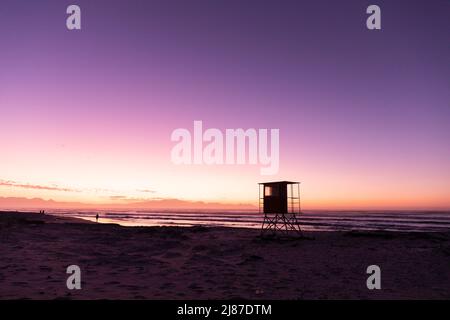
[310,221]
[119,262]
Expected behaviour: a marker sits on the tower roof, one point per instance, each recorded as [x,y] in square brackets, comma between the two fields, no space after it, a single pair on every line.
[280,182]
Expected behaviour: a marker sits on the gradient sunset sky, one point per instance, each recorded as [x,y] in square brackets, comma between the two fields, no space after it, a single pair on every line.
[363,115]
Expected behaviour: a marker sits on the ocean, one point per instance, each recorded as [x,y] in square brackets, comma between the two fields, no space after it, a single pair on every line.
[411,221]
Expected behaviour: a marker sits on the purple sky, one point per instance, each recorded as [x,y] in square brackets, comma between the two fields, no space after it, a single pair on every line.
[364,111]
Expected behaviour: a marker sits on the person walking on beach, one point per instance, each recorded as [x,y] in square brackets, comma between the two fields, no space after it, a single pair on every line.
[96,217]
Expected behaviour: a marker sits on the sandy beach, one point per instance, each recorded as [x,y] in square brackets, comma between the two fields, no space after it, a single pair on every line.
[213,263]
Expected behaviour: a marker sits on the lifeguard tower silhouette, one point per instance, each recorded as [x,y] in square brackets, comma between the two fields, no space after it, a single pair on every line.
[280,203]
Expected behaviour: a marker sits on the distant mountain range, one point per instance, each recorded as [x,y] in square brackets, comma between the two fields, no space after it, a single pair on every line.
[33,203]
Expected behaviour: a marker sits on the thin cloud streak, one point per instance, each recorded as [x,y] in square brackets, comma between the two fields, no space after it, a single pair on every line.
[15,184]
[54,187]
[146,190]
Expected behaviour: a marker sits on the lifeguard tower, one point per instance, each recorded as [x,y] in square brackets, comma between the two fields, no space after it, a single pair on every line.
[280,203]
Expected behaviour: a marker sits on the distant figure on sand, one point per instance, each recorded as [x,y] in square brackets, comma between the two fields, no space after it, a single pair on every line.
[96,217]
